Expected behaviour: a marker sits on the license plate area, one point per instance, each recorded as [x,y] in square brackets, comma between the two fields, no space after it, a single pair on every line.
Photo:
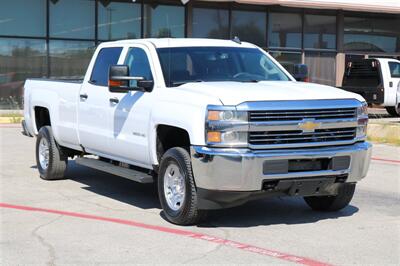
[284,166]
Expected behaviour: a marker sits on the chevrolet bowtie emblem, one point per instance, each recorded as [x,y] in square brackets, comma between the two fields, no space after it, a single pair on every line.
[309,126]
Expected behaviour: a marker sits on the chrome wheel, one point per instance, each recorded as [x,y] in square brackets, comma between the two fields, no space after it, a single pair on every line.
[174,187]
[44,153]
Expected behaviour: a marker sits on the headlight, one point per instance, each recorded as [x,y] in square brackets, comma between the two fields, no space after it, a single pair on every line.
[362,110]
[227,115]
[362,118]
[226,128]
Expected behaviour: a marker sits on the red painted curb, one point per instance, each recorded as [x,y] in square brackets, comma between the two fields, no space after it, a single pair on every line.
[10,125]
[208,238]
[385,160]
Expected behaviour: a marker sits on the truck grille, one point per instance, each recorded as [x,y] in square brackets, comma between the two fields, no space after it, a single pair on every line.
[296,115]
[298,136]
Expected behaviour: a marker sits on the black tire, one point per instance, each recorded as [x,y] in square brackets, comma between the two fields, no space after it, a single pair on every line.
[332,203]
[393,111]
[188,213]
[57,162]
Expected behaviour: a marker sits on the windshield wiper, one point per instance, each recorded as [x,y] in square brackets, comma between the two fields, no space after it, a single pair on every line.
[250,80]
[178,83]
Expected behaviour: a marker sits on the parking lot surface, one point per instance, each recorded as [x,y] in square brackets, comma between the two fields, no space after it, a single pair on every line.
[93,217]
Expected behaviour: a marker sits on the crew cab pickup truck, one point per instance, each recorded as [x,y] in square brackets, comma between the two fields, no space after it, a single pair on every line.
[377,80]
[214,123]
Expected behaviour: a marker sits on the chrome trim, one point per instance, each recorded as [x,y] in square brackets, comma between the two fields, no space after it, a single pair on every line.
[234,169]
[227,126]
[302,145]
[298,105]
[287,125]
[295,125]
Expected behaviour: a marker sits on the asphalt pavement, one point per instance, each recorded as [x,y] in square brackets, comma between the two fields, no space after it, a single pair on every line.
[95,218]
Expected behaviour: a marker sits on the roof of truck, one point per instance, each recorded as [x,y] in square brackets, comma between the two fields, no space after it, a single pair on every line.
[186,42]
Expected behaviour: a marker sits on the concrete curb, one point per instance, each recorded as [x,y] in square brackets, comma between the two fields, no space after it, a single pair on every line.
[384,132]
[11,119]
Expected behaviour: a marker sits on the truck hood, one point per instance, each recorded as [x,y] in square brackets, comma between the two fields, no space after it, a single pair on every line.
[234,93]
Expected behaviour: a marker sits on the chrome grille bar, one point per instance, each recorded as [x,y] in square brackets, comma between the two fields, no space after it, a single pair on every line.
[259,116]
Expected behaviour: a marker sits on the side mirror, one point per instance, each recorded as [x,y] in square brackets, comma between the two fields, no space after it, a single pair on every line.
[120,81]
[300,72]
[145,85]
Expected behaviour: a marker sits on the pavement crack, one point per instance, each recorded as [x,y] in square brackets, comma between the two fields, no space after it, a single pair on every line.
[215,249]
[46,244]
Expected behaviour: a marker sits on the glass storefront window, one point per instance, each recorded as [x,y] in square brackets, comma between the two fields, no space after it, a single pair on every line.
[284,30]
[210,23]
[250,26]
[164,21]
[287,59]
[321,67]
[72,19]
[23,18]
[118,20]
[319,32]
[369,34]
[70,58]
[19,59]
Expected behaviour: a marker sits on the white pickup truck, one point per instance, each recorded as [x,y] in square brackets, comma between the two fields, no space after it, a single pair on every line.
[214,123]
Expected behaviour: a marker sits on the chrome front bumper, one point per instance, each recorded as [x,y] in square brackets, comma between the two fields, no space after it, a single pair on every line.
[242,169]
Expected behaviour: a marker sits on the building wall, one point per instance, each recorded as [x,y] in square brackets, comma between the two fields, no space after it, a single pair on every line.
[55,38]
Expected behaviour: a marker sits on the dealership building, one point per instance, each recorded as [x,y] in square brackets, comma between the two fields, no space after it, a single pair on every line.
[56,38]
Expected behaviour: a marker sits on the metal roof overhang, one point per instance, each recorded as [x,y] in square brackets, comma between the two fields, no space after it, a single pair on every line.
[375,6]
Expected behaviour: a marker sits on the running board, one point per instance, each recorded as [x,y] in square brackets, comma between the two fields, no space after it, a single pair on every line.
[127,173]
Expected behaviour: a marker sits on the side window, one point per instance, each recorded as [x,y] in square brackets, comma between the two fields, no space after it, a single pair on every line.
[394,69]
[138,63]
[105,58]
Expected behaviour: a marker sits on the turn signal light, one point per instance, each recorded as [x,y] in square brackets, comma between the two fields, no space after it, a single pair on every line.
[213,115]
[213,136]
[115,83]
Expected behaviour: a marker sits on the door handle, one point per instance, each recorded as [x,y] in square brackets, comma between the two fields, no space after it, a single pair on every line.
[83,97]
[114,100]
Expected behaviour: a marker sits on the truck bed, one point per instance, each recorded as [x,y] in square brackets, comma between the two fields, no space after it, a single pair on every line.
[61,79]
[61,98]
[364,77]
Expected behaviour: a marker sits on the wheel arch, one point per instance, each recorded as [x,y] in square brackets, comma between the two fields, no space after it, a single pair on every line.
[168,136]
[41,117]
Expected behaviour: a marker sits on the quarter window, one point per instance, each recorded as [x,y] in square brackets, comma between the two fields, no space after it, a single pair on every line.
[105,58]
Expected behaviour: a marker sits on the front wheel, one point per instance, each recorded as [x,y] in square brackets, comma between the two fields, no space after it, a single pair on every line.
[332,203]
[176,188]
[50,159]
[393,110]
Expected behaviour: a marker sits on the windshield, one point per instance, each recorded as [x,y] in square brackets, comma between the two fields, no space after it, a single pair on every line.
[195,64]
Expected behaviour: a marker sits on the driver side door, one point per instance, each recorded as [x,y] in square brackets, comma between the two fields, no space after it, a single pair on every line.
[130,113]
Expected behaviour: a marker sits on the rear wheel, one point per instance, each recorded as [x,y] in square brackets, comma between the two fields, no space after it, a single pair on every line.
[176,188]
[393,110]
[332,203]
[50,159]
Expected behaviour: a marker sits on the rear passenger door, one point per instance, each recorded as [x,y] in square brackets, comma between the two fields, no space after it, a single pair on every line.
[94,104]
[130,114]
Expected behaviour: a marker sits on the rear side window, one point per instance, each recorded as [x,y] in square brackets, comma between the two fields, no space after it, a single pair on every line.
[394,69]
[105,58]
